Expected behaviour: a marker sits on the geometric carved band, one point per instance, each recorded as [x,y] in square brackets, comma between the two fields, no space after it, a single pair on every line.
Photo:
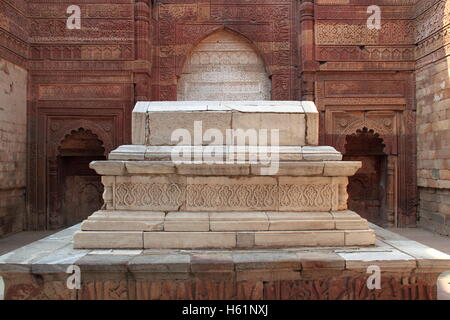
[155,194]
[173,196]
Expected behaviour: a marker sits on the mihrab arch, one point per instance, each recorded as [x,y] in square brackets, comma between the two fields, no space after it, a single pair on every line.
[372,190]
[224,66]
[74,189]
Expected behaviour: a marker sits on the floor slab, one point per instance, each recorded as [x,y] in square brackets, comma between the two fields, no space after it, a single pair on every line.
[409,270]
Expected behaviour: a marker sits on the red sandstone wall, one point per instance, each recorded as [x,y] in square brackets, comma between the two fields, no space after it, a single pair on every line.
[13,108]
[134,50]
[364,78]
[78,79]
[433,114]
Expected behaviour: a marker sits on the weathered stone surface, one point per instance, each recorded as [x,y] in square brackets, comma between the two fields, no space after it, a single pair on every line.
[320,260]
[20,259]
[104,263]
[259,193]
[212,262]
[174,274]
[128,152]
[291,126]
[427,258]
[106,240]
[341,169]
[148,263]
[13,140]
[209,169]
[182,240]
[243,75]
[163,125]
[300,225]
[298,221]
[304,169]
[187,221]
[245,239]
[266,261]
[305,194]
[155,193]
[209,199]
[386,260]
[58,261]
[345,215]
[360,224]
[314,153]
[312,123]
[359,237]
[127,215]
[299,238]
[239,221]
[123,225]
[299,216]
[150,167]
[108,168]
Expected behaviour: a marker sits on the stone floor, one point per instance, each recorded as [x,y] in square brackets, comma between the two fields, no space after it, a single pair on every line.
[426,237]
[433,240]
[21,239]
[409,271]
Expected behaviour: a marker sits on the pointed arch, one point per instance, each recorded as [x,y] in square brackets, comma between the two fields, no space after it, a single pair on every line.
[81,142]
[224,66]
[364,142]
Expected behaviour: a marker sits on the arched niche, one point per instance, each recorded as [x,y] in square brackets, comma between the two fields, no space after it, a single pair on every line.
[368,188]
[224,66]
[75,189]
[81,143]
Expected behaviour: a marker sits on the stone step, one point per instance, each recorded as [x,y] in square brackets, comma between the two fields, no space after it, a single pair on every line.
[222,240]
[218,222]
[230,154]
[285,168]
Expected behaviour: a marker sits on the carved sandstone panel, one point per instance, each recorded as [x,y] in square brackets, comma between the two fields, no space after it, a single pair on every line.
[356,33]
[224,66]
[222,193]
[269,26]
[85,91]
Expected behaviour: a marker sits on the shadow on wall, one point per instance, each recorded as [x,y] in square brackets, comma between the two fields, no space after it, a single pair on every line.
[433,116]
[13,115]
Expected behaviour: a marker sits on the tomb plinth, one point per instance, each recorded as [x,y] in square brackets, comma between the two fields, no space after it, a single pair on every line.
[224,175]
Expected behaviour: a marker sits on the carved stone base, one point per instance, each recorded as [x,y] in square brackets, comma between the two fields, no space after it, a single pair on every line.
[222,230]
[409,271]
[160,194]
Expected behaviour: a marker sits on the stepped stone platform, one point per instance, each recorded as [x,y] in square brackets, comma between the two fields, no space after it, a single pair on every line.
[224,175]
[212,219]
[409,271]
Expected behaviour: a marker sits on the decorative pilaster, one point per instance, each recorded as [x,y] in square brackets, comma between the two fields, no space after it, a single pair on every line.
[142,64]
[308,65]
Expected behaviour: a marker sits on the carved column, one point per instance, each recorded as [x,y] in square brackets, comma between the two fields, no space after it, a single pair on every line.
[391,191]
[53,200]
[142,63]
[308,65]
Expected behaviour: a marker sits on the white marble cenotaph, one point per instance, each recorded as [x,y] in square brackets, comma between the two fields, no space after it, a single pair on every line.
[224,175]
